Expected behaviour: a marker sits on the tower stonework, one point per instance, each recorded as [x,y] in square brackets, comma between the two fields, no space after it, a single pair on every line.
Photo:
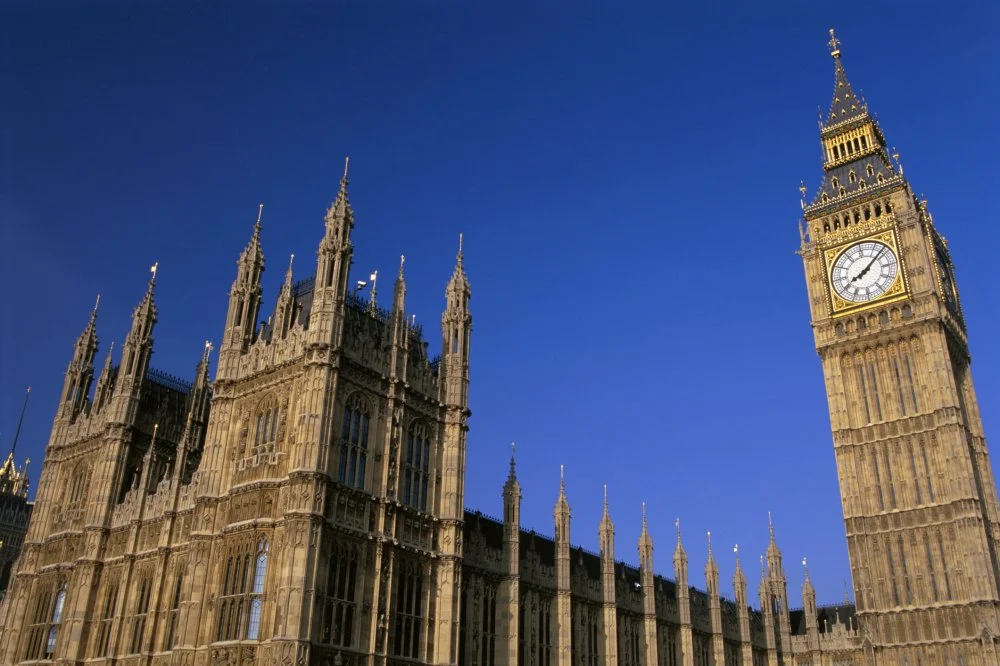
[919,499]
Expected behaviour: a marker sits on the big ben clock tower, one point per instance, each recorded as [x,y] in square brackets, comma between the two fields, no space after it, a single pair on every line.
[919,500]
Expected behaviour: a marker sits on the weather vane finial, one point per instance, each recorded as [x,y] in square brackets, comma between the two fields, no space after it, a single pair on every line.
[834,45]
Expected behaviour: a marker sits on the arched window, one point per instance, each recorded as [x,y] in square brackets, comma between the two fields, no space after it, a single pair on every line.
[340,607]
[852,177]
[870,170]
[241,598]
[57,610]
[107,619]
[354,443]
[257,591]
[408,610]
[43,630]
[266,431]
[144,590]
[416,467]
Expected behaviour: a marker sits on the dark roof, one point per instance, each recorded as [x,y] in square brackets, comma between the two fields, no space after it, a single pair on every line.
[843,614]
[845,104]
[168,381]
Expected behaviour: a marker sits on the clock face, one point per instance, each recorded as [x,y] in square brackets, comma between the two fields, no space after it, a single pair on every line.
[864,271]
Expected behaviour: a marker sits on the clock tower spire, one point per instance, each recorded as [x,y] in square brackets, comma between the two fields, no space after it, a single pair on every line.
[919,499]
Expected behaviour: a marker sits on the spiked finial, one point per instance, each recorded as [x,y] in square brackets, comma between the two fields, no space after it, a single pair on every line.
[770,526]
[152,269]
[459,255]
[402,260]
[834,44]
[97,304]
[806,568]
[260,214]
[512,463]
[708,535]
[347,161]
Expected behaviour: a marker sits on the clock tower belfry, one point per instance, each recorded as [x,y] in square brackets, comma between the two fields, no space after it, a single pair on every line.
[919,500]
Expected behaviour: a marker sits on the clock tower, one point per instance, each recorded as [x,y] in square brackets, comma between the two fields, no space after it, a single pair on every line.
[917,489]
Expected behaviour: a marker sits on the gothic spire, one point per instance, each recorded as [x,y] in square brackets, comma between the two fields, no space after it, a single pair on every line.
[645,540]
[710,565]
[512,475]
[846,105]
[738,577]
[458,290]
[679,552]
[340,215]
[773,552]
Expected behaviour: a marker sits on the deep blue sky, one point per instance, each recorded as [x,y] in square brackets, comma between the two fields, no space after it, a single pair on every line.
[626,180]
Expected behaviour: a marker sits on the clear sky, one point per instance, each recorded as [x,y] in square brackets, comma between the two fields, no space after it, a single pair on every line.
[626,180]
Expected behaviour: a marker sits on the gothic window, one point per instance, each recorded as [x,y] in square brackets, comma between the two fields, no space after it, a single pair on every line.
[892,573]
[107,619]
[826,225]
[57,611]
[861,185]
[265,430]
[864,144]
[836,224]
[825,198]
[843,191]
[408,611]
[857,145]
[78,485]
[354,443]
[175,604]
[870,170]
[927,473]
[875,392]
[670,648]
[852,177]
[257,590]
[141,613]
[40,623]
[879,178]
[242,593]
[593,646]
[868,211]
[544,645]
[489,635]
[878,206]
[836,182]
[416,467]
[340,606]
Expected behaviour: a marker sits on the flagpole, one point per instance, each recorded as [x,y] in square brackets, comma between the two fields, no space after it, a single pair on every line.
[20,420]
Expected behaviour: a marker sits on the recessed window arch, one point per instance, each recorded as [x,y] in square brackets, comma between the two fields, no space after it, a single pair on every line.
[340,606]
[265,432]
[416,466]
[836,182]
[853,177]
[824,197]
[242,595]
[870,170]
[354,435]
[43,632]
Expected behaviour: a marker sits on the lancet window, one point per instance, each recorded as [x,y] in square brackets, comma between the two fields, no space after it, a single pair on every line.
[543,655]
[242,593]
[265,429]
[144,589]
[416,467]
[175,605]
[102,647]
[354,442]
[44,627]
[489,633]
[409,608]
[340,607]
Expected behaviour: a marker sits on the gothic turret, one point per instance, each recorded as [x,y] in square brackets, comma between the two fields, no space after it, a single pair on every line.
[507,649]
[244,304]
[456,327]
[284,310]
[192,439]
[742,609]
[779,592]
[648,593]
[80,373]
[136,354]
[809,610]
[609,615]
[714,604]
[333,263]
[106,380]
[400,327]
[561,514]
[683,600]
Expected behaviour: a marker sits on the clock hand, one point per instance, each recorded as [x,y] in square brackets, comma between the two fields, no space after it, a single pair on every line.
[868,267]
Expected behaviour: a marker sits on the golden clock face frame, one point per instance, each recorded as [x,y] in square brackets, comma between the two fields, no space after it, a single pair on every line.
[864,272]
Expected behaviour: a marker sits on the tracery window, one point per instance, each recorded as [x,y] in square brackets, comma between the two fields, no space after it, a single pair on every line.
[175,605]
[416,467]
[489,633]
[45,620]
[408,611]
[354,443]
[242,593]
[265,431]
[340,607]
[101,649]
[145,588]
[544,655]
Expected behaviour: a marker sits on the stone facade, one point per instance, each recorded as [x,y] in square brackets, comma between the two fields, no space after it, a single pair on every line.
[919,499]
[307,507]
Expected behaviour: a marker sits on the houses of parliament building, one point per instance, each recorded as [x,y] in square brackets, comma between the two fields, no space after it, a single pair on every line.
[307,506]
